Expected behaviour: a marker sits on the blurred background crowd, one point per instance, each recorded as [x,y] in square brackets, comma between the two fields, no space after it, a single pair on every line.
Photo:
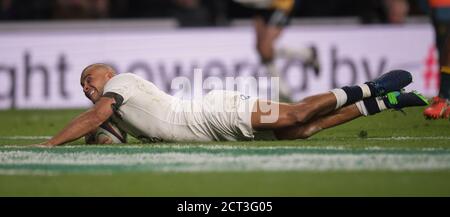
[209,13]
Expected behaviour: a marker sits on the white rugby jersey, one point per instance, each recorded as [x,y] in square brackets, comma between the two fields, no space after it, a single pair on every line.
[151,115]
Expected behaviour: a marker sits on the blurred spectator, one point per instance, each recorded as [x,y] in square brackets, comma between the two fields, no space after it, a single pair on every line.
[397,11]
[25,9]
[384,11]
[196,12]
[119,8]
[81,9]
[218,10]
[148,8]
[191,13]
[5,9]
[324,8]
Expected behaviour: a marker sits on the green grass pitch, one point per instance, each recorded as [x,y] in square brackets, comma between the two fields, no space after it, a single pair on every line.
[385,155]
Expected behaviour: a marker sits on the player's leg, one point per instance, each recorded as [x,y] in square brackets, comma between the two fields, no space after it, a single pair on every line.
[269,25]
[440,106]
[318,124]
[259,27]
[308,109]
[272,115]
[444,90]
[370,106]
[266,35]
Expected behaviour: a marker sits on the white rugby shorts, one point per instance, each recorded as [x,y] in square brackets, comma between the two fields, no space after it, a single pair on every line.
[229,114]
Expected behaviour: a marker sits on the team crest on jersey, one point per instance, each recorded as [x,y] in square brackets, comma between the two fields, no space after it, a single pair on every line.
[244,97]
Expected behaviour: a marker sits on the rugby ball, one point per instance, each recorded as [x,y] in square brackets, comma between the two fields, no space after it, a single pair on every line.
[107,133]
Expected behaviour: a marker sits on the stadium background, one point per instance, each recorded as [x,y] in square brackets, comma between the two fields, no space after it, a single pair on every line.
[45,44]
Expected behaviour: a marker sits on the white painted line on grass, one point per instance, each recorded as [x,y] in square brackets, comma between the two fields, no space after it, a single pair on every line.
[24,137]
[369,138]
[178,161]
[411,138]
[14,172]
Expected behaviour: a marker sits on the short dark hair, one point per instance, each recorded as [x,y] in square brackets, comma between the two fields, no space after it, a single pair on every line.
[99,65]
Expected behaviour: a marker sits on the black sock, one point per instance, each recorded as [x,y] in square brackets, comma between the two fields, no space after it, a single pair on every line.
[354,94]
[372,106]
[444,90]
[371,87]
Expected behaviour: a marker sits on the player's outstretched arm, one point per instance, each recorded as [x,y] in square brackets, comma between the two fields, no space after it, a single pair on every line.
[83,124]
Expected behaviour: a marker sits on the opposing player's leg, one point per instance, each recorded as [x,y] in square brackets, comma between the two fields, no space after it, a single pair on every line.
[393,100]
[266,35]
[440,106]
[260,26]
[273,115]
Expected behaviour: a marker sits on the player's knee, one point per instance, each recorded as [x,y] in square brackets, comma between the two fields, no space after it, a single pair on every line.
[302,113]
[308,131]
[302,135]
[296,118]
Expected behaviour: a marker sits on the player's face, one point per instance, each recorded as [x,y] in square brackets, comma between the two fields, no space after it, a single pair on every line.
[93,83]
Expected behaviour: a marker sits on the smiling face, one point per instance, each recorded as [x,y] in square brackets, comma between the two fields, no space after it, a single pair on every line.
[93,80]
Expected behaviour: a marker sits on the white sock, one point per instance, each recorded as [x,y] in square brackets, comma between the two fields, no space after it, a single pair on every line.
[363,109]
[350,93]
[381,105]
[272,70]
[301,53]
[341,97]
[365,90]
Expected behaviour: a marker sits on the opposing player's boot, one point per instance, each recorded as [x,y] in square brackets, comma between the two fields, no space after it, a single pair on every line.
[398,100]
[439,108]
[308,55]
[394,80]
